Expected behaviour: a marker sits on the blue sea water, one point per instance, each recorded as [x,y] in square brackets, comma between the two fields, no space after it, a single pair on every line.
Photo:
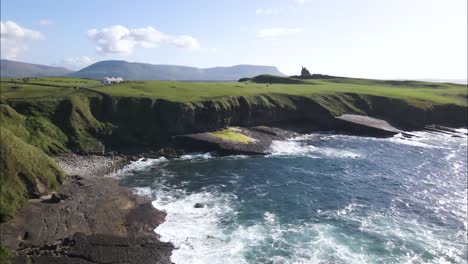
[318,198]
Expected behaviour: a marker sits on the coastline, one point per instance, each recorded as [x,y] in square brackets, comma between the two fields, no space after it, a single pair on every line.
[89,219]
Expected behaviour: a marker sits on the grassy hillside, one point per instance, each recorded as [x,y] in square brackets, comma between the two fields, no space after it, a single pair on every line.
[25,172]
[35,129]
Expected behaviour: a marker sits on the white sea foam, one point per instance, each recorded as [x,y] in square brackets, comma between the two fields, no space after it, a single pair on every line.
[143,191]
[299,148]
[431,139]
[139,165]
[208,155]
[403,233]
[214,235]
[415,142]
[201,156]
[236,157]
[197,232]
[200,237]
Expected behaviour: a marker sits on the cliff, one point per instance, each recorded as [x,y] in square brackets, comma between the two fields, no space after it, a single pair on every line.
[79,124]
[38,121]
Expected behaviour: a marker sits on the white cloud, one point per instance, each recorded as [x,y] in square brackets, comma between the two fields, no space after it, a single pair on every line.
[278,32]
[300,2]
[183,42]
[76,63]
[45,22]
[15,39]
[121,40]
[266,11]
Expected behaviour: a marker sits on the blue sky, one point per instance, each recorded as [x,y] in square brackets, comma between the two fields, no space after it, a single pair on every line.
[390,39]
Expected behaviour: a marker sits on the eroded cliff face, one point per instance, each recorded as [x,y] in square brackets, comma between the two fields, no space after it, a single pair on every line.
[123,123]
[142,122]
[84,124]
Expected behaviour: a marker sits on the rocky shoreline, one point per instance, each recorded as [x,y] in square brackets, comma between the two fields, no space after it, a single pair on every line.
[89,219]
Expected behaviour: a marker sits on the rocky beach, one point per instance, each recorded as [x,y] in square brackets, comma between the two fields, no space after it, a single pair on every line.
[89,219]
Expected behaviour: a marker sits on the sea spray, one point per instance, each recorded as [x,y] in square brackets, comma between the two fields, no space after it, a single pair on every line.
[316,199]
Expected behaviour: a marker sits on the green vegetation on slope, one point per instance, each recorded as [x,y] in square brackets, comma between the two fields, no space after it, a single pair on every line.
[36,129]
[232,134]
[5,254]
[25,171]
[75,119]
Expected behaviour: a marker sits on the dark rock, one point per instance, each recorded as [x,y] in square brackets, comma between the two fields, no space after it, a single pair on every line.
[144,217]
[169,153]
[48,260]
[366,125]
[55,198]
[112,249]
[199,205]
[443,130]
[95,222]
[133,158]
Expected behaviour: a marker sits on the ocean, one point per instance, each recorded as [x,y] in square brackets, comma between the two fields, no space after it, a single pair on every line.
[318,198]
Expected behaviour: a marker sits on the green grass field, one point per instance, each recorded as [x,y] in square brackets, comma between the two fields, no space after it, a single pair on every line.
[418,93]
[54,81]
[43,88]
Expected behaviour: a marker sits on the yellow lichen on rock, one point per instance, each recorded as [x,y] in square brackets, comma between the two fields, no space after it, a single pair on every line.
[233,134]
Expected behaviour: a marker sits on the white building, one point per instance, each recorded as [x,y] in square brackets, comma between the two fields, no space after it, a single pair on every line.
[112,80]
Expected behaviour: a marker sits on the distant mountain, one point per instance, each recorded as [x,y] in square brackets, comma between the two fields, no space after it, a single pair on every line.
[16,69]
[143,71]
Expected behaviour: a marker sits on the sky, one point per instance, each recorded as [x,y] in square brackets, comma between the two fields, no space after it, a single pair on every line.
[385,39]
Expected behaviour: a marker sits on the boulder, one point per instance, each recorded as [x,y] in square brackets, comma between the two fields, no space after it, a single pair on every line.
[199,205]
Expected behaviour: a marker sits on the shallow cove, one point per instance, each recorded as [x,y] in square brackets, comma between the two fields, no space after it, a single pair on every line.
[318,198]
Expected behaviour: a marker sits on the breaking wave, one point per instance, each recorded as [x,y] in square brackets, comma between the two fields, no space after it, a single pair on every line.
[315,199]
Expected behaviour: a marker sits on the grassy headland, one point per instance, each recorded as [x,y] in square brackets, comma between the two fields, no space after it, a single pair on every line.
[414,92]
[49,116]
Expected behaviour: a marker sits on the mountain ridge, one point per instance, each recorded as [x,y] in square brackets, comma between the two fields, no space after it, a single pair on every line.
[17,69]
[137,71]
[147,71]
